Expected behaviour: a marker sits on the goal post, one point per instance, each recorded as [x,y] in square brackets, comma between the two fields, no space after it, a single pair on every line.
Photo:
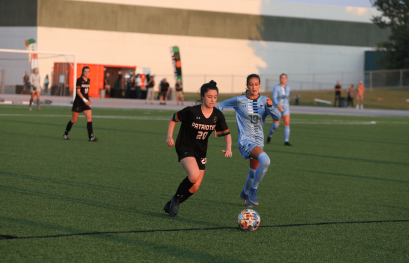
[60,67]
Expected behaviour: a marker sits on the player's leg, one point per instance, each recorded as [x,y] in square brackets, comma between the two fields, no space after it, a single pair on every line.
[88,115]
[183,192]
[273,128]
[249,182]
[258,154]
[38,100]
[181,96]
[357,101]
[31,100]
[160,97]
[362,101]
[70,123]
[286,119]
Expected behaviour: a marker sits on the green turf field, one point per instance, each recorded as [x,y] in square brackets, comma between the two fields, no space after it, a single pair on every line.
[340,194]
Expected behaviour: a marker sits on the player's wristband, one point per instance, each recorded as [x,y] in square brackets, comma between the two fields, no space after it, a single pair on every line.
[85,100]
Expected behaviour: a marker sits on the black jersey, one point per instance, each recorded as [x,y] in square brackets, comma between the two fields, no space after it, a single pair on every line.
[84,88]
[196,129]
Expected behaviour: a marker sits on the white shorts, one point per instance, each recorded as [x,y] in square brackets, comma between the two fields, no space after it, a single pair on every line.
[245,148]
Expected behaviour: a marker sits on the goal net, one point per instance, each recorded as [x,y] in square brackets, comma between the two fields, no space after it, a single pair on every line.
[56,70]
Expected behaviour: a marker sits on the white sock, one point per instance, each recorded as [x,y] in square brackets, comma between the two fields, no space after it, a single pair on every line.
[249,181]
[286,133]
[261,170]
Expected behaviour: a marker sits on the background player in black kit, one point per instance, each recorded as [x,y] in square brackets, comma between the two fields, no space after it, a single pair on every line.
[82,104]
[198,122]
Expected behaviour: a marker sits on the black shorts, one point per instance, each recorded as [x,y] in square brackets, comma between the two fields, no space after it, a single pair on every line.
[76,107]
[163,94]
[201,160]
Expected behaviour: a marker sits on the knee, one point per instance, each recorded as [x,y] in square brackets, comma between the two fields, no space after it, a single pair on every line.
[193,178]
[73,120]
[287,123]
[264,160]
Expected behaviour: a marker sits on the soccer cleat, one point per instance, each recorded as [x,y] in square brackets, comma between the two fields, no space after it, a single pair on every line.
[288,144]
[93,139]
[66,136]
[246,199]
[268,139]
[174,206]
[253,196]
[166,207]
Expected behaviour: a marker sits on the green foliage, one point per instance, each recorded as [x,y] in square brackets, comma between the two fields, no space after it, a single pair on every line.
[340,169]
[395,15]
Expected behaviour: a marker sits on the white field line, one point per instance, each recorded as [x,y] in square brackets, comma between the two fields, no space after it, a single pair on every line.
[166,118]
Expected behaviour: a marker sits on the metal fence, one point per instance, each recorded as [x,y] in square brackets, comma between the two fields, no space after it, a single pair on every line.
[382,79]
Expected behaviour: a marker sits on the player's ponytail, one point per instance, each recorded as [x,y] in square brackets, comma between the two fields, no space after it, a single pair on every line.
[205,87]
[249,77]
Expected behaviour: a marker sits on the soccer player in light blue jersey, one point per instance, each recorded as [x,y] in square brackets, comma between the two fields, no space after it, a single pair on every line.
[281,99]
[251,111]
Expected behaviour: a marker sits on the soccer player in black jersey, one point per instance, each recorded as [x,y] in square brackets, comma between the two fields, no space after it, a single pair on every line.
[198,122]
[82,104]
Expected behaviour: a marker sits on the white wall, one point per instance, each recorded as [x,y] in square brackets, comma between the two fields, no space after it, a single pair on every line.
[202,58]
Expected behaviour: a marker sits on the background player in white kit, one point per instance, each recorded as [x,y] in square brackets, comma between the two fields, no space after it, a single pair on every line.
[281,99]
[251,111]
[35,88]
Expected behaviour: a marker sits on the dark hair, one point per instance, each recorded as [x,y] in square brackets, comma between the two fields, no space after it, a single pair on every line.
[205,88]
[249,77]
[83,69]
[283,74]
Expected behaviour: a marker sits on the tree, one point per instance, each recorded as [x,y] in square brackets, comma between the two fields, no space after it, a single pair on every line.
[395,15]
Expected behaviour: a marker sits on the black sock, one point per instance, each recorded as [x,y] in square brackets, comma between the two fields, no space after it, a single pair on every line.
[69,126]
[183,189]
[31,102]
[38,103]
[89,128]
[186,196]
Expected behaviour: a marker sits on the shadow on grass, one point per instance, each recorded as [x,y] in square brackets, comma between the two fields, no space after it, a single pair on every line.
[136,210]
[358,176]
[161,248]
[337,157]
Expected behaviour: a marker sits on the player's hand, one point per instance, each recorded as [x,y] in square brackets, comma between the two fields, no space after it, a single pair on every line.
[170,142]
[280,108]
[88,102]
[227,153]
[269,102]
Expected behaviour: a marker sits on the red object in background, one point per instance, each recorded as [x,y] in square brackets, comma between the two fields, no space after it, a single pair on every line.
[97,72]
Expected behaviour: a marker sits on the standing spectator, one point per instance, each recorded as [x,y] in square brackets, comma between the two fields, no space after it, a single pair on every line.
[164,91]
[360,95]
[26,80]
[150,91]
[107,84]
[338,90]
[138,85]
[35,88]
[118,85]
[179,92]
[46,82]
[351,95]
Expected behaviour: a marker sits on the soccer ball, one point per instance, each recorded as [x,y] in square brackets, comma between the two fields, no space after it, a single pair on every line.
[249,220]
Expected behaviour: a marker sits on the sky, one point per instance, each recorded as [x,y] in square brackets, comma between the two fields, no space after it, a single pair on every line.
[354,3]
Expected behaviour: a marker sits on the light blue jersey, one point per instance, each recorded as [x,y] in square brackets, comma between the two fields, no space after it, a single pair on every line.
[281,96]
[250,116]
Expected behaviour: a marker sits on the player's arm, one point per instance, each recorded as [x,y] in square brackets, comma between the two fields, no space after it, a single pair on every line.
[230,103]
[275,99]
[87,102]
[227,140]
[271,111]
[169,141]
